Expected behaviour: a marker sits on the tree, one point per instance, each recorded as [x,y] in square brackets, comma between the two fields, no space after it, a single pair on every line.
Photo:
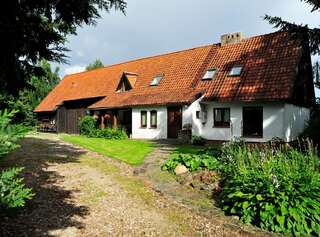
[300,31]
[29,98]
[316,74]
[96,64]
[35,30]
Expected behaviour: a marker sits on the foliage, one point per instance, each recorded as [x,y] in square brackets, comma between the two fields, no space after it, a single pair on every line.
[34,30]
[9,134]
[96,64]
[130,151]
[13,192]
[29,98]
[192,162]
[198,141]
[214,150]
[111,133]
[88,126]
[302,31]
[277,190]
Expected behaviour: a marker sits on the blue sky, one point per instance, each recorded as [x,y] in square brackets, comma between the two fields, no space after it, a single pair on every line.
[160,26]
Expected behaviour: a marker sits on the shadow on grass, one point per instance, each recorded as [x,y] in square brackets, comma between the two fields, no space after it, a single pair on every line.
[52,207]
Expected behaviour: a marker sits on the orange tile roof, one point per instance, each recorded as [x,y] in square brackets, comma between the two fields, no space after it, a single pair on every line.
[269,72]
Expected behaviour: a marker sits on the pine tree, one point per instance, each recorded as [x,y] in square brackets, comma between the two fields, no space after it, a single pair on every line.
[35,30]
[300,31]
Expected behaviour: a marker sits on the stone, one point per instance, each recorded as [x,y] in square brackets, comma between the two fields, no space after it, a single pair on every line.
[180,169]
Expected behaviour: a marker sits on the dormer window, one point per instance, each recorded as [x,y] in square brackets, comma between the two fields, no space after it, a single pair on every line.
[156,80]
[235,71]
[127,82]
[209,74]
[123,86]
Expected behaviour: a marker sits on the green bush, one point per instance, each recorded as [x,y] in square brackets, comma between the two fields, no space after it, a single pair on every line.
[198,141]
[88,126]
[192,162]
[277,190]
[9,134]
[214,151]
[110,133]
[13,192]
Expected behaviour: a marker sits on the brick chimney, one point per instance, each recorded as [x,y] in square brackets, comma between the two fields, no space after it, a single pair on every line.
[232,38]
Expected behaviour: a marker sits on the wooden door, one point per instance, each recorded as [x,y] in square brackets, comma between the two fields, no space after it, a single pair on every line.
[73,118]
[174,121]
[61,120]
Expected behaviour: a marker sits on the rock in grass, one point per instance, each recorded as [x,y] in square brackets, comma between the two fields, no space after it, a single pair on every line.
[180,169]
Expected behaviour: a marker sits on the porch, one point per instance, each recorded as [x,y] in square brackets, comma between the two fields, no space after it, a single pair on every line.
[115,118]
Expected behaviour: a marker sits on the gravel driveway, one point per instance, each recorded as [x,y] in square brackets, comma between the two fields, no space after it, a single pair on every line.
[80,193]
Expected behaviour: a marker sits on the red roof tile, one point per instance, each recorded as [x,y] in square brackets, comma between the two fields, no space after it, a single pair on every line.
[269,72]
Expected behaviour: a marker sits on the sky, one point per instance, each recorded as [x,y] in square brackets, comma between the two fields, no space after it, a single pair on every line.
[161,26]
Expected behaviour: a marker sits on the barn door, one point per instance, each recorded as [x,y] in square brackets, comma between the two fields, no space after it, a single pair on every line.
[73,118]
[61,120]
[174,121]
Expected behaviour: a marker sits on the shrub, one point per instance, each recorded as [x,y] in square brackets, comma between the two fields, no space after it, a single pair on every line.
[110,133]
[277,190]
[9,134]
[87,125]
[214,151]
[198,141]
[13,192]
[192,162]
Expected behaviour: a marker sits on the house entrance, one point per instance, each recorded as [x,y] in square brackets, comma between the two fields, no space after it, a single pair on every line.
[252,118]
[174,121]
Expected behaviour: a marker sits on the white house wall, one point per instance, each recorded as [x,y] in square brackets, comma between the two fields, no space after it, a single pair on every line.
[273,121]
[280,120]
[295,120]
[149,133]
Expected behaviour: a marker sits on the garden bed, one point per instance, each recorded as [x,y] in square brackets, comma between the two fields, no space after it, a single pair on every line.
[273,187]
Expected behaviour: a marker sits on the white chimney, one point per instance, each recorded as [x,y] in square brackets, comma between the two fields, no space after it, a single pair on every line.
[233,38]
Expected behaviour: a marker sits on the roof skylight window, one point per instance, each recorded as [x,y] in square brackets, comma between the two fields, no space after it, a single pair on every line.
[156,80]
[236,71]
[209,74]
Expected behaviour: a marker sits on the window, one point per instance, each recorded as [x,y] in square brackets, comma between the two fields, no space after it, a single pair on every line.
[198,114]
[209,74]
[236,71]
[153,119]
[143,119]
[124,85]
[156,80]
[221,117]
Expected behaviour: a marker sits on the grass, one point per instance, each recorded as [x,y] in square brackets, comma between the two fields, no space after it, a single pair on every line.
[131,152]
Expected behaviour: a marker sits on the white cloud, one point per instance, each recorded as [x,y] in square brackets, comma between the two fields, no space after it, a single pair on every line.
[74,69]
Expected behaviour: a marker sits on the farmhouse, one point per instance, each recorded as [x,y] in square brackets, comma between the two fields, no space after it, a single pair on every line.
[255,88]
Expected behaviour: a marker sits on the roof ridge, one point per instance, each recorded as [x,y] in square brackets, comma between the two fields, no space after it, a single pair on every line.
[173,52]
[143,58]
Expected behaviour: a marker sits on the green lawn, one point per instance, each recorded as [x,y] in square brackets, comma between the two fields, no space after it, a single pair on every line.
[130,151]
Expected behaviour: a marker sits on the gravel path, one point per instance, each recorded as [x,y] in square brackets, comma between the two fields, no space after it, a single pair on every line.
[80,193]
